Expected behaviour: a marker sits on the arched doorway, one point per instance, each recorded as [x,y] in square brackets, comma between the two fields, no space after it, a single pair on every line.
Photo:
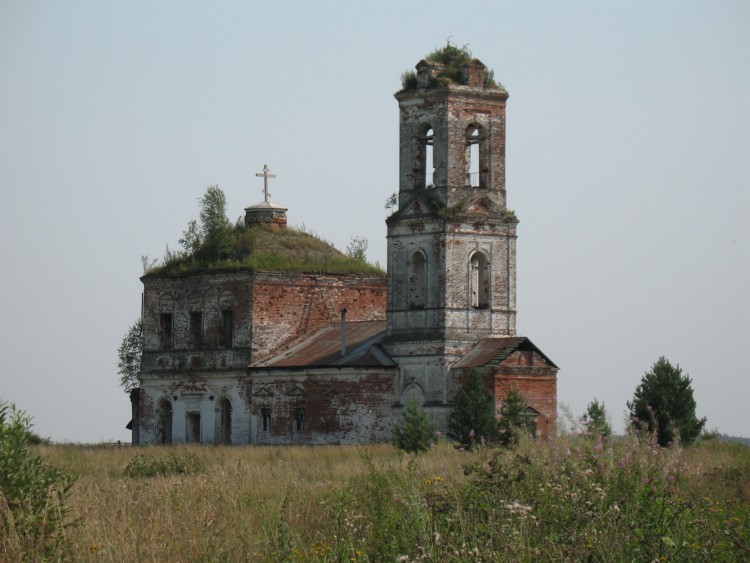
[164,422]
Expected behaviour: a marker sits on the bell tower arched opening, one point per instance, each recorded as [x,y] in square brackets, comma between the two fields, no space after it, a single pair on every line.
[425,159]
[476,156]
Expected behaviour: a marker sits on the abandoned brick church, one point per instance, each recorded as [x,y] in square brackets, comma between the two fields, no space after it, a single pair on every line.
[255,356]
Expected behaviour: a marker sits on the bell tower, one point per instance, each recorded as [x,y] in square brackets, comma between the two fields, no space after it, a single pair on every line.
[452,240]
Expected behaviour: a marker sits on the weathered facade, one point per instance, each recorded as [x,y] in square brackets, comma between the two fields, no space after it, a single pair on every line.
[278,358]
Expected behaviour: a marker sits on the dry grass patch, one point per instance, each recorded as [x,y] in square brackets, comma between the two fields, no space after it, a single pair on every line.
[573,498]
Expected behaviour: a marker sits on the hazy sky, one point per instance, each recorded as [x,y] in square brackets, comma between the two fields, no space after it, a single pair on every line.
[628,165]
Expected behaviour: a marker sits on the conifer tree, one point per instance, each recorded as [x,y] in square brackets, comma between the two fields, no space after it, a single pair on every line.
[474,415]
[664,402]
[513,420]
[416,432]
[595,419]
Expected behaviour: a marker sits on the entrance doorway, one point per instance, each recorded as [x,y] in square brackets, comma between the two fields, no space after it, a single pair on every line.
[193,428]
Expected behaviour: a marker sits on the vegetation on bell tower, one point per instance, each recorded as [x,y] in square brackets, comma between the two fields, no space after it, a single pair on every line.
[450,61]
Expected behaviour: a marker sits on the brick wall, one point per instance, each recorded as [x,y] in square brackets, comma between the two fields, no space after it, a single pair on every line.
[269,310]
[536,380]
[287,306]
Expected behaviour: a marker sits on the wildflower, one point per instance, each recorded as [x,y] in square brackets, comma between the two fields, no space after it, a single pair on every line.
[472,434]
[436,538]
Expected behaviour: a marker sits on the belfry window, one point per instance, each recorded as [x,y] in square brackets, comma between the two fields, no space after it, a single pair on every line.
[479,272]
[425,165]
[417,280]
[475,157]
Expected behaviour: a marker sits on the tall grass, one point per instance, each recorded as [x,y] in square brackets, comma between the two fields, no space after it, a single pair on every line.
[572,498]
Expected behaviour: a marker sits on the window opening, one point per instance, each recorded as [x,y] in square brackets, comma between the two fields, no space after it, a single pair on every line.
[299,419]
[429,177]
[164,422]
[417,280]
[227,328]
[425,158]
[193,428]
[480,281]
[472,157]
[165,331]
[196,330]
[265,416]
[225,421]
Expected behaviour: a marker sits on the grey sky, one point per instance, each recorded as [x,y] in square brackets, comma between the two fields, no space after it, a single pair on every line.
[628,164]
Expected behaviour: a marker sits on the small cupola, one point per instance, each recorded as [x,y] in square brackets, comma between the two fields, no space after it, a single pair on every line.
[265,212]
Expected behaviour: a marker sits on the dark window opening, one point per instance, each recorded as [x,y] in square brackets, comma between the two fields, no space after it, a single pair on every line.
[417,280]
[265,417]
[299,419]
[227,328]
[196,330]
[165,331]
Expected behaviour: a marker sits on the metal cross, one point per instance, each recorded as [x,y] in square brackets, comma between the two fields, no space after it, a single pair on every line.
[266,175]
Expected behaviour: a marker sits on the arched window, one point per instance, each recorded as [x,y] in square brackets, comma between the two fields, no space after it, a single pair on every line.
[225,422]
[479,272]
[475,157]
[425,164]
[164,422]
[417,280]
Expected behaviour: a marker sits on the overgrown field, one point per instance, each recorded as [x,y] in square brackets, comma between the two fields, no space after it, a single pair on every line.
[575,498]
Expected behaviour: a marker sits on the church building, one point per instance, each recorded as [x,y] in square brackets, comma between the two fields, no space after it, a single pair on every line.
[276,356]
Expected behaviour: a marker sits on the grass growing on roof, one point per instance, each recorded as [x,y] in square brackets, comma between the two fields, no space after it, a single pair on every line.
[268,248]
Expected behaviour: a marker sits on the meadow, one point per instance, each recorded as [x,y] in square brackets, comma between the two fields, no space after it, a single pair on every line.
[573,498]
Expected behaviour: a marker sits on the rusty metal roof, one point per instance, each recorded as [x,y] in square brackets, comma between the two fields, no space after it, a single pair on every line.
[323,348]
[492,351]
